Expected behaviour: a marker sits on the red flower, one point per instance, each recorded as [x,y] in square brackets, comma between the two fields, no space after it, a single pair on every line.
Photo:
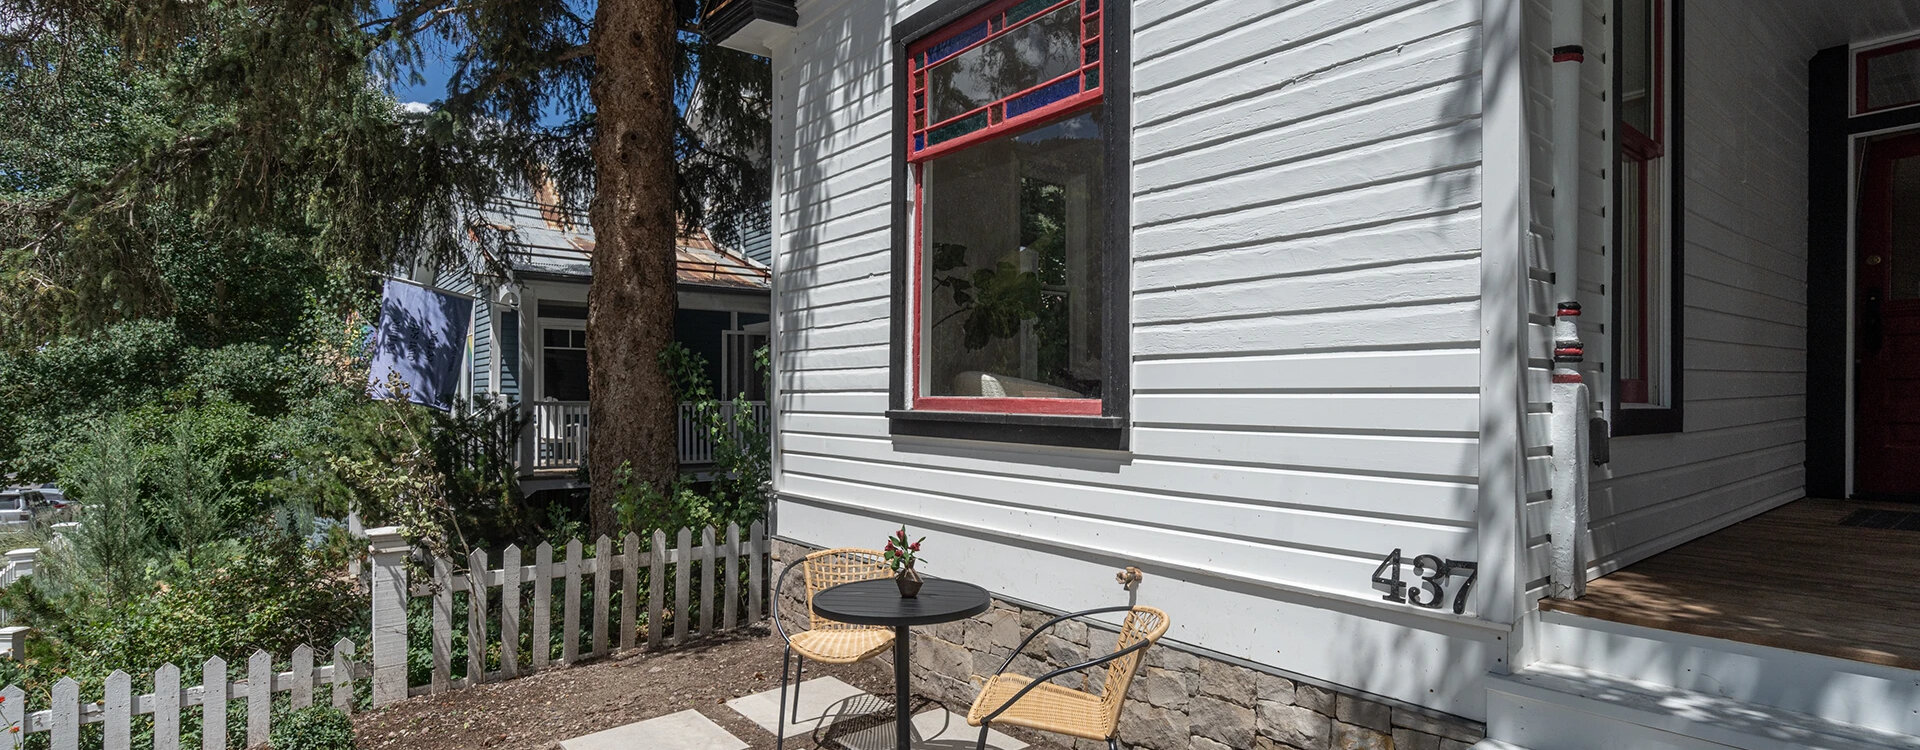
[915,547]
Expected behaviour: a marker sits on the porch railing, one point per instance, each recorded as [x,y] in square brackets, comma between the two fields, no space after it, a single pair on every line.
[559,434]
[696,445]
[558,431]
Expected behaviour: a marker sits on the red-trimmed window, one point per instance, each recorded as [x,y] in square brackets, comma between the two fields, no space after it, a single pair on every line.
[1643,184]
[1006,150]
[1887,76]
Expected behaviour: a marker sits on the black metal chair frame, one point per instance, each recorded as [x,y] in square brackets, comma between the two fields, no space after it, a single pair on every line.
[1113,743]
[780,719]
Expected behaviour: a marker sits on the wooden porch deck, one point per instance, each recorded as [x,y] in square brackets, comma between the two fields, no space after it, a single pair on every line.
[1792,578]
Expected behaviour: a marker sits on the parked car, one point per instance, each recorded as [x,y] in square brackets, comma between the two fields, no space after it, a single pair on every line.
[49,496]
[14,510]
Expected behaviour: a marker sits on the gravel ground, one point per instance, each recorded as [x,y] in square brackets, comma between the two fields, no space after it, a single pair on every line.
[538,712]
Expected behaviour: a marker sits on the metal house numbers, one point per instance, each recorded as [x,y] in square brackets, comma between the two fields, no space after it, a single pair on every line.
[1432,577]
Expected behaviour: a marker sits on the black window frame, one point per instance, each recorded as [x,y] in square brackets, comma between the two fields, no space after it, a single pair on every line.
[1108,430]
[1645,420]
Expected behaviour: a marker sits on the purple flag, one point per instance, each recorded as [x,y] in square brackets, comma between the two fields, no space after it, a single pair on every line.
[422,338]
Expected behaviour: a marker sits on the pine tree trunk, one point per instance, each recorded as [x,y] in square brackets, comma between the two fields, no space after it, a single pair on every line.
[630,306]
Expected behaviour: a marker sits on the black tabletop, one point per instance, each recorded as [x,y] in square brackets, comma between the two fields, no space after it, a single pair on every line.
[878,602]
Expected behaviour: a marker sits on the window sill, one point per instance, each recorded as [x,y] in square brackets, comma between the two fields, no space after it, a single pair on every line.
[1068,431]
[1630,421]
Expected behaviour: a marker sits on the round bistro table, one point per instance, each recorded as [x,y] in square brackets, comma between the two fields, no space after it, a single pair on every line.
[878,602]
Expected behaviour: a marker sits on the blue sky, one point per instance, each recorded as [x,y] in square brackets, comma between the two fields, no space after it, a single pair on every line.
[434,89]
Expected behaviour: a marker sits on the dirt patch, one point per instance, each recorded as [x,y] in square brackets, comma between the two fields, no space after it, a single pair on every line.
[538,712]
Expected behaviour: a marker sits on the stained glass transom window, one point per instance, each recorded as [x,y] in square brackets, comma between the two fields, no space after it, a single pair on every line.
[1005,66]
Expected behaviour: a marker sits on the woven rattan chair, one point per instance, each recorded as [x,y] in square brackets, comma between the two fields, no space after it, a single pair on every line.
[1037,703]
[827,641]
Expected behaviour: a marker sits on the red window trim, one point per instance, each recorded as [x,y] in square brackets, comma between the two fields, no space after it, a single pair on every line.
[1860,78]
[1090,13]
[919,124]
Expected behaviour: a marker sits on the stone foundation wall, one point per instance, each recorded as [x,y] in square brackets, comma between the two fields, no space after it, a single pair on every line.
[1178,700]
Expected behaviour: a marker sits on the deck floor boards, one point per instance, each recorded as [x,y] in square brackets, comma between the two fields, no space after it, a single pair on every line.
[1790,578]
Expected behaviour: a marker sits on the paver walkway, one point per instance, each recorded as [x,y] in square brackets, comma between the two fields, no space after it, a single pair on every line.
[687,730]
[831,712]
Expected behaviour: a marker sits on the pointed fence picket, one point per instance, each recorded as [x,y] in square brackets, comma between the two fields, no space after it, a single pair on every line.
[705,578]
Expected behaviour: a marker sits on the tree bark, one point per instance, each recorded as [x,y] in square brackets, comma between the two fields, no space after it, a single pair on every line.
[630,305]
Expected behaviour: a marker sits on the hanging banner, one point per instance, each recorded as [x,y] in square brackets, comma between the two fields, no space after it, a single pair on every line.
[421,340]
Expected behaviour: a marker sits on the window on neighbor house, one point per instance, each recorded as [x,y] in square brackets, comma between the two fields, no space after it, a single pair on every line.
[1007,149]
[1644,306]
[1887,76]
[563,360]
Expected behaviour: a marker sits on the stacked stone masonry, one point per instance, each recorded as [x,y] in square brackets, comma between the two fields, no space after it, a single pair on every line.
[1178,700]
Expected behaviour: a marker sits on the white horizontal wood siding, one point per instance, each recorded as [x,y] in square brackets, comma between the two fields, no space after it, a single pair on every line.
[1305,325]
[1745,169]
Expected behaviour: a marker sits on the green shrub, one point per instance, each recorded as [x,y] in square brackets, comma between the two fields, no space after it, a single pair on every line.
[313,728]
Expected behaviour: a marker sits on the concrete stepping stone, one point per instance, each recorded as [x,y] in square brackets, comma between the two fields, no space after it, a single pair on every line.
[938,729]
[856,720]
[687,730]
[823,701]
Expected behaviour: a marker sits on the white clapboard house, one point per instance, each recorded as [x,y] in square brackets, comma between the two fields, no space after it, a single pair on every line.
[529,328]
[1265,296]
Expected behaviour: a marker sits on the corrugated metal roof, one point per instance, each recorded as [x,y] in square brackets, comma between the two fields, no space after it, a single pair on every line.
[540,237]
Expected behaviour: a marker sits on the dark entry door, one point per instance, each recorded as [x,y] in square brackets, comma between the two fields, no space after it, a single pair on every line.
[1888,324]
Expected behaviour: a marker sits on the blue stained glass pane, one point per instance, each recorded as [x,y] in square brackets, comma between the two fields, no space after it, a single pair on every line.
[1040,50]
[955,43]
[1043,96]
[920,142]
[957,128]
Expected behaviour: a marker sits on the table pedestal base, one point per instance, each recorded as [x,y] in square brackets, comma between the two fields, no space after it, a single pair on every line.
[904,720]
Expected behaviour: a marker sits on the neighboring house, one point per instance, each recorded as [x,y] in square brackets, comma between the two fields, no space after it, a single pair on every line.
[530,321]
[1260,296]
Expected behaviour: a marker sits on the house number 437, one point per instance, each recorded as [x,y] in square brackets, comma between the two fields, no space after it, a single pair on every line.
[1432,577]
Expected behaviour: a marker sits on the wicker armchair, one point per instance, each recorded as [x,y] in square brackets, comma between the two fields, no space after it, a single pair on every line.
[1037,703]
[827,641]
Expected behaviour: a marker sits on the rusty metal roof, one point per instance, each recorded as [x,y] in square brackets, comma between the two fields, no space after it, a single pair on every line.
[544,238]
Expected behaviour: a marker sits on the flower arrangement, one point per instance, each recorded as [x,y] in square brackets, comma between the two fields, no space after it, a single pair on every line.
[900,555]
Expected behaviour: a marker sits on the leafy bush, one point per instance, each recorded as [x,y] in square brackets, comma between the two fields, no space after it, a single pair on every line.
[173,574]
[313,728]
[252,403]
[446,480]
[77,379]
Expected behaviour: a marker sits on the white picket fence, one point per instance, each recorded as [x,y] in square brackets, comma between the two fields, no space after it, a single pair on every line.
[170,700]
[716,586]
